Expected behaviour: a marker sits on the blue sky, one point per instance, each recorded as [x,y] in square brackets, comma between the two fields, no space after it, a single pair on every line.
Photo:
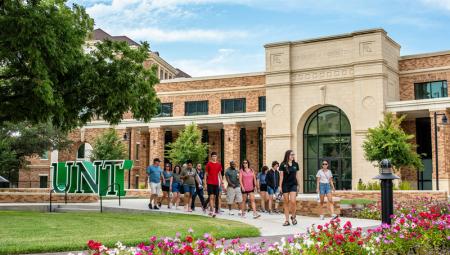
[213,37]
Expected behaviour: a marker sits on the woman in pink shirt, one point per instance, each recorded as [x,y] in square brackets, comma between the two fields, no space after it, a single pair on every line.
[247,179]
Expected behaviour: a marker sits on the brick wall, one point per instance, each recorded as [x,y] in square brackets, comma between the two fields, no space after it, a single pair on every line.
[212,83]
[407,80]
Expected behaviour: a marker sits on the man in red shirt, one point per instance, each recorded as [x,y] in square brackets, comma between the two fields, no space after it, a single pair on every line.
[213,178]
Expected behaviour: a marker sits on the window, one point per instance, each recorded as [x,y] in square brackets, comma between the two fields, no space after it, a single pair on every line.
[43,181]
[166,76]
[137,151]
[165,110]
[433,89]
[84,152]
[161,74]
[196,108]
[262,104]
[233,105]
[44,156]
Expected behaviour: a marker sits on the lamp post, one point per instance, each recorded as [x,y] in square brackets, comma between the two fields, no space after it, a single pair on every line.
[444,122]
[127,137]
[387,202]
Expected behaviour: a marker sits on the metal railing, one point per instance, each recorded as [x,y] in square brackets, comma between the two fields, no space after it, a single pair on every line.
[101,200]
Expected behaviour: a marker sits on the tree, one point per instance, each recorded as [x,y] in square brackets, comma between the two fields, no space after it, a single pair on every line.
[46,74]
[20,141]
[108,146]
[188,146]
[390,141]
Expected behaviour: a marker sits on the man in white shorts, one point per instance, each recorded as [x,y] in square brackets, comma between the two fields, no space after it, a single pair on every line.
[155,176]
[234,193]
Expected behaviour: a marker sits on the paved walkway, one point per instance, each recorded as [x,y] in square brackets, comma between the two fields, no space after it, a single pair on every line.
[270,225]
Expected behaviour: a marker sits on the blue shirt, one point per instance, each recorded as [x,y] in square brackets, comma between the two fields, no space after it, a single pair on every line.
[154,173]
[262,178]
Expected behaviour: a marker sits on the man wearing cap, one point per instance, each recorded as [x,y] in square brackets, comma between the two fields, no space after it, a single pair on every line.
[155,175]
[234,193]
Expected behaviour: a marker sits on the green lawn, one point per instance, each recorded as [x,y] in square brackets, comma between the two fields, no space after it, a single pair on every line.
[27,232]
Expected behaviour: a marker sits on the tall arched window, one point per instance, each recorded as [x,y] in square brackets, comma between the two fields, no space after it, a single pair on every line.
[84,152]
[327,136]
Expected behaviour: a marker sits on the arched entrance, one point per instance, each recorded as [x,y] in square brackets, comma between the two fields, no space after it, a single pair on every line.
[327,136]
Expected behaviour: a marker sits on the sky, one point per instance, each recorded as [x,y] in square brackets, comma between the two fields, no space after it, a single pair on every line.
[215,37]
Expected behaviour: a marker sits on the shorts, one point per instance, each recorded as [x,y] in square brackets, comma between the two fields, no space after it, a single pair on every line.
[165,188]
[234,195]
[271,191]
[189,189]
[176,187]
[213,189]
[155,188]
[263,188]
[324,188]
[248,192]
[289,188]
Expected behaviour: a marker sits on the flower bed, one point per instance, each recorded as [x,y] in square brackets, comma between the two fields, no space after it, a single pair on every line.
[415,232]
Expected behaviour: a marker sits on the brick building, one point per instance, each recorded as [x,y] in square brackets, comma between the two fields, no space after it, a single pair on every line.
[317,96]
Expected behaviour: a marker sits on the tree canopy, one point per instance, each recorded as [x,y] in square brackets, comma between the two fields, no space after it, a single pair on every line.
[389,141]
[108,146]
[20,141]
[188,146]
[48,74]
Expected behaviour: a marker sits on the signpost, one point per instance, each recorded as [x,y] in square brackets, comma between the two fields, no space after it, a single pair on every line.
[98,177]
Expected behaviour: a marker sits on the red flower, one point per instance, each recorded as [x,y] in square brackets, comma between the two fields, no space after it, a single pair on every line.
[360,242]
[93,245]
[189,249]
[351,239]
[189,239]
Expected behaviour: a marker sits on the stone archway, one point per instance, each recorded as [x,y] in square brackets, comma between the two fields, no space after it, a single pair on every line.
[327,136]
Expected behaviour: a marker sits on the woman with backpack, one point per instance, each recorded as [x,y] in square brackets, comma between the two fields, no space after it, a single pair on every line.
[273,181]
[247,179]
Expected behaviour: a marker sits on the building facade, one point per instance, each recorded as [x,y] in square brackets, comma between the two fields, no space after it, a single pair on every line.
[318,97]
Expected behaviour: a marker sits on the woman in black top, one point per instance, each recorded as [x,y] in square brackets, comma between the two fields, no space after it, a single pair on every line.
[289,180]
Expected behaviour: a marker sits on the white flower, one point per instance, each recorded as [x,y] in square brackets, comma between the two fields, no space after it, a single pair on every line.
[283,241]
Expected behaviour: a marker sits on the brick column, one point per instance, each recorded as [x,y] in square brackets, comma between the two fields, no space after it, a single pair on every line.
[443,141]
[156,147]
[232,143]
[269,164]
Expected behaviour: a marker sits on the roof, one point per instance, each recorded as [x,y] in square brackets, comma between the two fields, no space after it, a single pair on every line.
[181,74]
[3,179]
[100,35]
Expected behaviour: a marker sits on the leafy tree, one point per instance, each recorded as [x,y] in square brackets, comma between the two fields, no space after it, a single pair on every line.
[108,146]
[390,141]
[188,146]
[20,141]
[47,74]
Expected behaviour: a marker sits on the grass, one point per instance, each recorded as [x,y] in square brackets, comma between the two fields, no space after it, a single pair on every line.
[358,201]
[33,232]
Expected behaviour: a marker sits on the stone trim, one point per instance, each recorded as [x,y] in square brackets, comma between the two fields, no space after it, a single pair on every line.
[416,105]
[208,91]
[213,77]
[423,55]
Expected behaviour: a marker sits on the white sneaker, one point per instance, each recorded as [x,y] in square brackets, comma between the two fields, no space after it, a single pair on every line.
[230,213]
[322,217]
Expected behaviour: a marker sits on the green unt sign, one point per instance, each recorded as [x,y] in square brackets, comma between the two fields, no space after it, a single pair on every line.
[102,177]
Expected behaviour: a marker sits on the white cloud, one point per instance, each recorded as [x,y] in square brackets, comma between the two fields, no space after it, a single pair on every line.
[192,35]
[225,61]
[438,3]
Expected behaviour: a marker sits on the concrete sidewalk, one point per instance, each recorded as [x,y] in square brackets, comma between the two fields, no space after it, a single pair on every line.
[268,224]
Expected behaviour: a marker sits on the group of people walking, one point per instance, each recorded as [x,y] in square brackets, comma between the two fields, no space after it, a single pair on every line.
[279,183]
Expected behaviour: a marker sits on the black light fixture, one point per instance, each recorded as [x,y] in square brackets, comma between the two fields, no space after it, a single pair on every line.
[154,142]
[387,202]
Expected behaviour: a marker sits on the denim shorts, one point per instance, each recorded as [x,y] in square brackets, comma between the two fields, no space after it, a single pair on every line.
[189,189]
[176,187]
[271,191]
[324,188]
